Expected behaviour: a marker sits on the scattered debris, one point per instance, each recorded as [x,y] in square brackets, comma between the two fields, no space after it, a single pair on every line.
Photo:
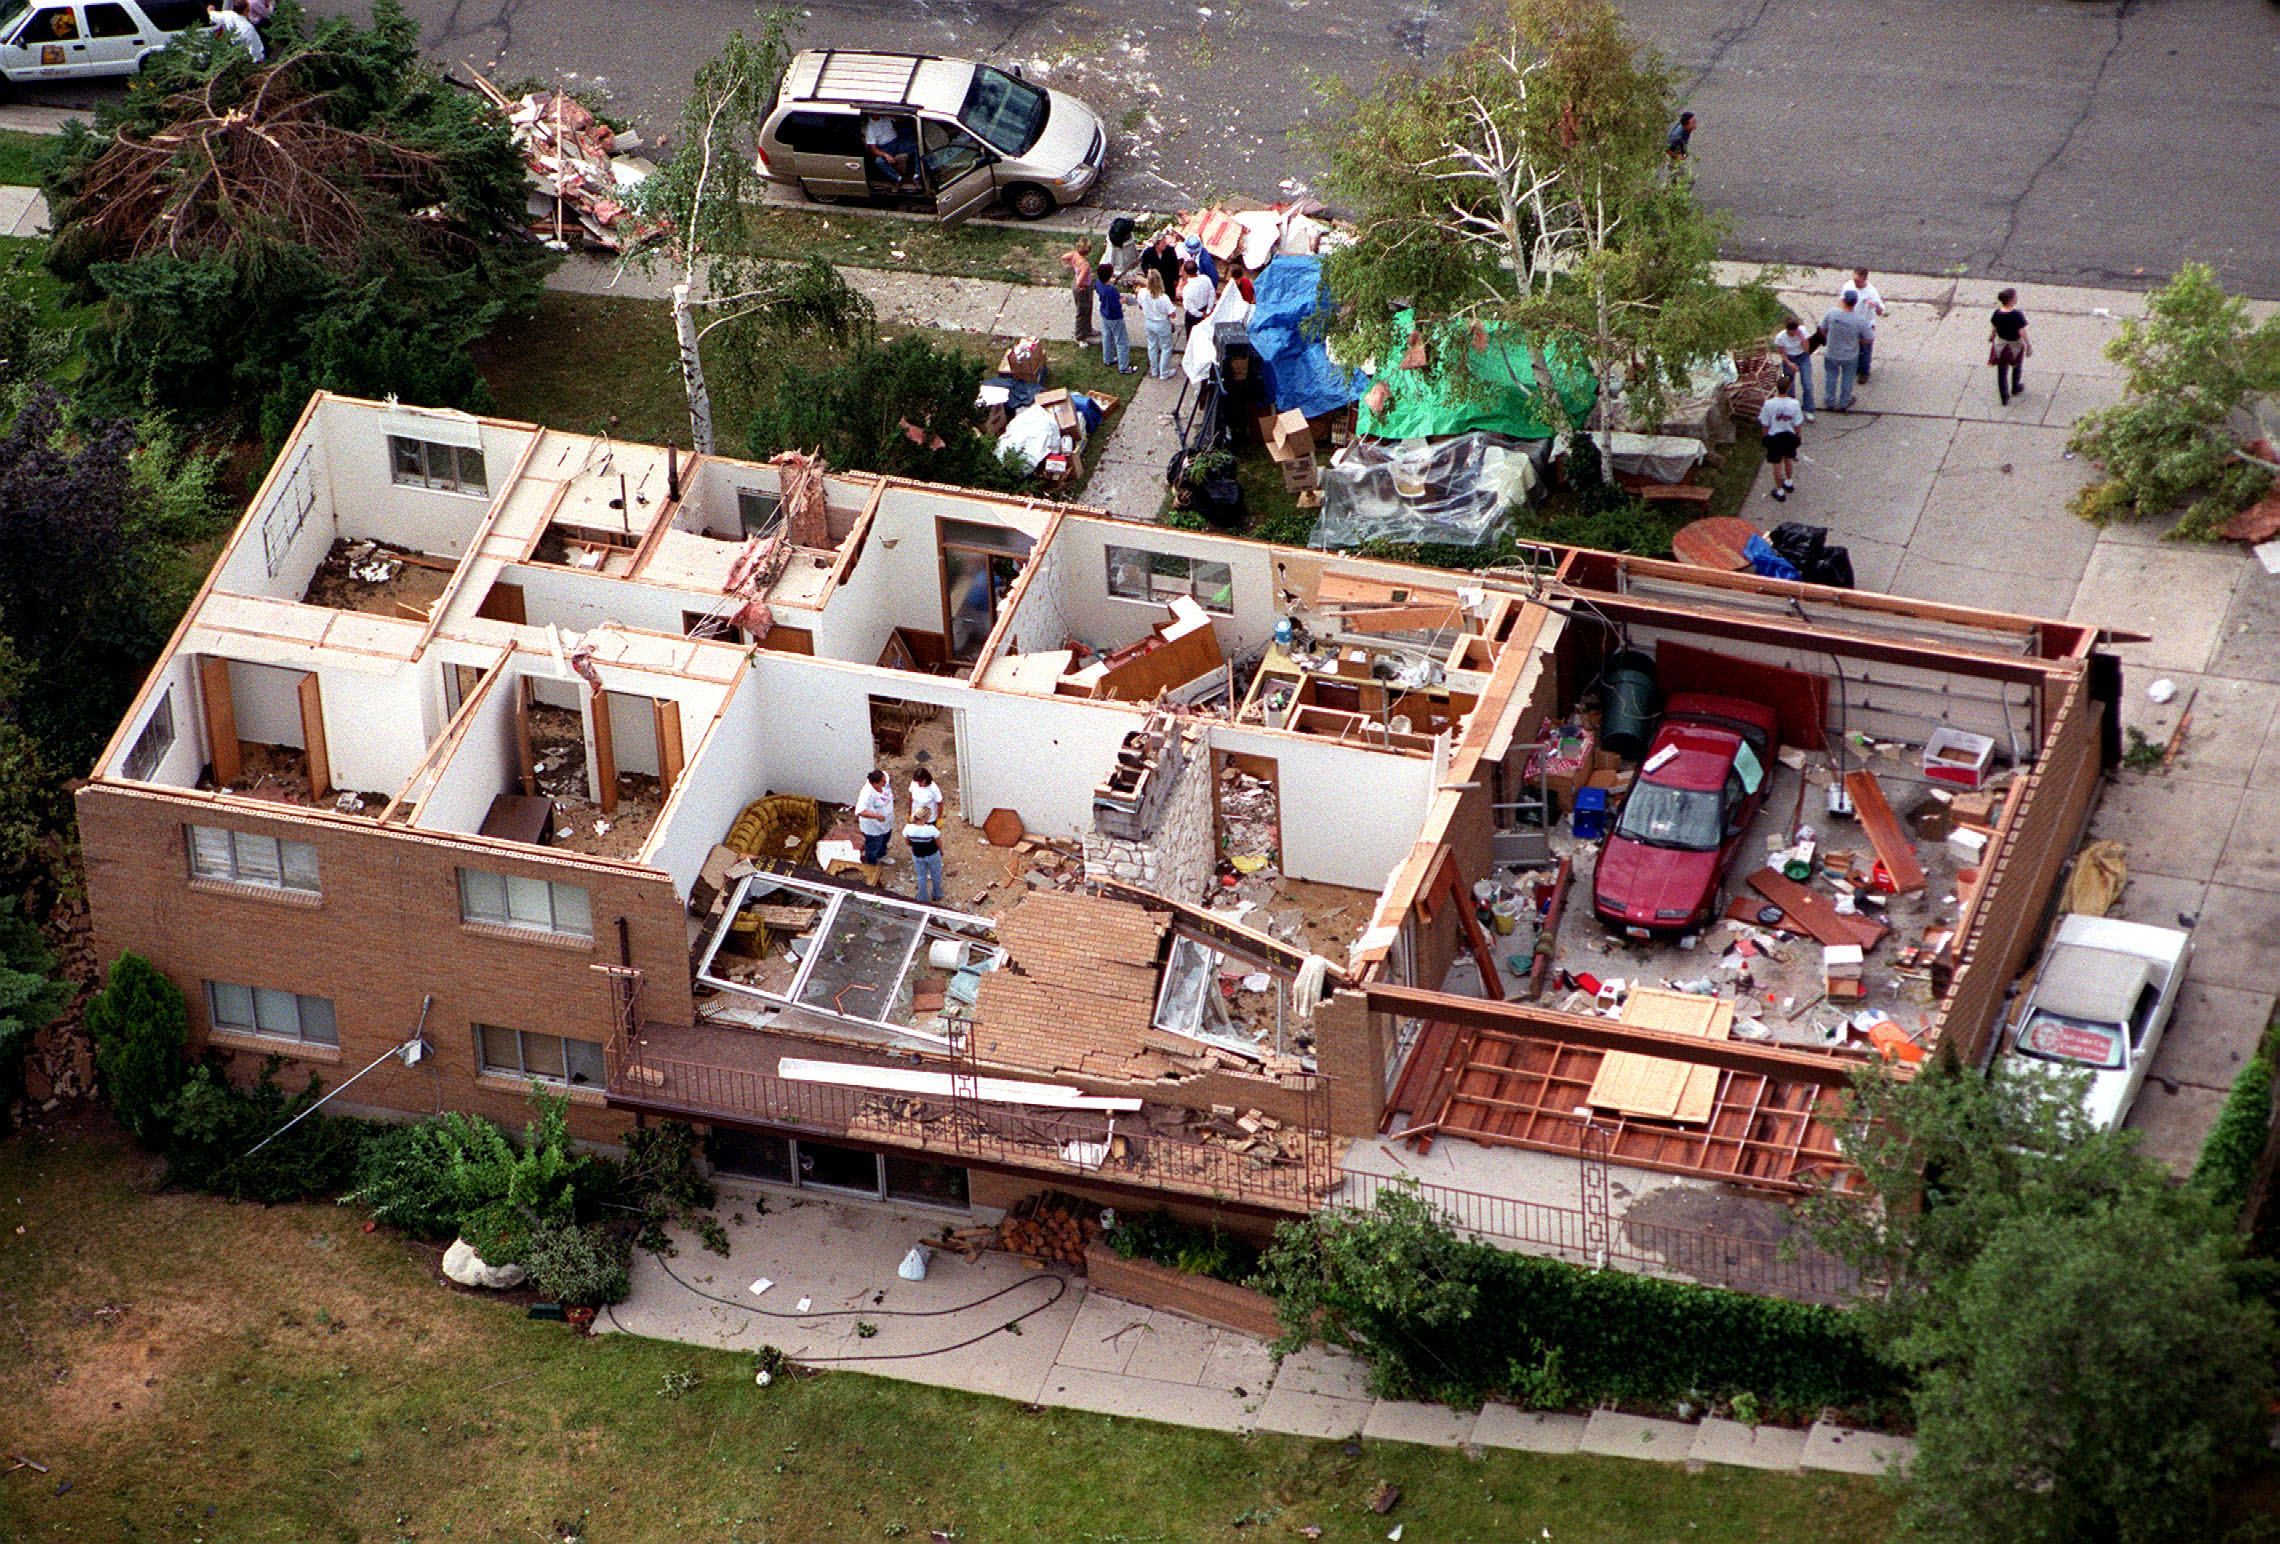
[581,174]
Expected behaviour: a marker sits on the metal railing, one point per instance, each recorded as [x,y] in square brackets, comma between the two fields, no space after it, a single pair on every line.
[1288,1169]
[1643,1248]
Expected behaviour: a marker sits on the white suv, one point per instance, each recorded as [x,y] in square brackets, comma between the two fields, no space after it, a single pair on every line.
[82,39]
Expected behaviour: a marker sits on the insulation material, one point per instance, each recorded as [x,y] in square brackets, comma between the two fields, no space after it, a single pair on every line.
[1452,491]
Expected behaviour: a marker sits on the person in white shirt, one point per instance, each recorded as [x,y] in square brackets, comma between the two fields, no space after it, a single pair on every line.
[1870,308]
[1196,293]
[1158,311]
[875,816]
[1795,348]
[1781,418]
[230,23]
[925,797]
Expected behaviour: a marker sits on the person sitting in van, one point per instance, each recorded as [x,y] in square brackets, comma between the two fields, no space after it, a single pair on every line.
[888,146]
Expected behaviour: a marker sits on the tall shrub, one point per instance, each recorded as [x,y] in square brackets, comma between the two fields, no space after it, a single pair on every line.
[141,1028]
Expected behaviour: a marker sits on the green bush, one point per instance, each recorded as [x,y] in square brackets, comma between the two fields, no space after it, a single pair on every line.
[578,1266]
[30,998]
[1197,1248]
[1437,1317]
[661,1180]
[212,1129]
[141,1028]
[500,1233]
[2227,1166]
[426,1176]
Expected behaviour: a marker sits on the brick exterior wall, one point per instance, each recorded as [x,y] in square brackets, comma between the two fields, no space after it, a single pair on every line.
[382,934]
[1199,1297]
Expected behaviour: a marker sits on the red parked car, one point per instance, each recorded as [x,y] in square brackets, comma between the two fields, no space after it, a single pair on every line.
[1685,818]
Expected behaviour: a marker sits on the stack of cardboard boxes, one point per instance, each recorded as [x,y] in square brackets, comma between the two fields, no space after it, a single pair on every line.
[1290,441]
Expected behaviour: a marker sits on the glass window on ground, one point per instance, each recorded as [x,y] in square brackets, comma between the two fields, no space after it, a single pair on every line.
[924,1181]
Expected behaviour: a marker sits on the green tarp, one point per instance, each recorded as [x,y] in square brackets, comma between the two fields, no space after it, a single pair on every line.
[1424,407]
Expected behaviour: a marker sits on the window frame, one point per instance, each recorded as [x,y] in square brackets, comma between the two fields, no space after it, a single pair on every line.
[442,466]
[1168,576]
[256,997]
[507,916]
[143,758]
[569,1077]
[281,524]
[236,869]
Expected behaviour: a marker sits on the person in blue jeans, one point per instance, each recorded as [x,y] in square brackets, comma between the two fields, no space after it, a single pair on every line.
[1840,356]
[874,815]
[925,839]
[1115,341]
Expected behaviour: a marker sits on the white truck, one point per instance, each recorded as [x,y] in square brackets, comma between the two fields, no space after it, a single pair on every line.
[63,40]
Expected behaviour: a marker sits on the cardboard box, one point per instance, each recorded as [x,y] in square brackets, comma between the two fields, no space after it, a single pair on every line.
[1291,437]
[1299,476]
[1953,756]
[1063,410]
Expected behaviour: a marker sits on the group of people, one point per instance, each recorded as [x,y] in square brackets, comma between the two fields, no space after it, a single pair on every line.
[1846,342]
[875,822]
[1173,279]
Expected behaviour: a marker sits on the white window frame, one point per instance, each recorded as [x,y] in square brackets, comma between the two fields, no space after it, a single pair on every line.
[272,1014]
[253,858]
[156,739]
[490,898]
[1167,577]
[486,1035]
[442,467]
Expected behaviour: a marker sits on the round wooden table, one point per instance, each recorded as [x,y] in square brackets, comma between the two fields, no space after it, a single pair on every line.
[1719,542]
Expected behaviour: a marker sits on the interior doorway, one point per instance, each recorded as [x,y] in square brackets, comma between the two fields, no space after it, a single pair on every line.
[1247,808]
[979,566]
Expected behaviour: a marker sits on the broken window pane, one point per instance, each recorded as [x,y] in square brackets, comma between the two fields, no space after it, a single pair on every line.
[857,965]
[585,1060]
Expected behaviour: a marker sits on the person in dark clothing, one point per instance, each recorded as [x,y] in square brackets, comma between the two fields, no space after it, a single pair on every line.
[1680,143]
[2007,346]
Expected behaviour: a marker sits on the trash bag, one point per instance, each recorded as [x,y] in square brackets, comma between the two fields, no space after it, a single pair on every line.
[1834,569]
[1220,501]
[1806,548]
[1767,563]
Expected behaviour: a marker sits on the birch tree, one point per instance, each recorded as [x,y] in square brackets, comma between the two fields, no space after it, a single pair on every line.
[707,192]
[1524,184]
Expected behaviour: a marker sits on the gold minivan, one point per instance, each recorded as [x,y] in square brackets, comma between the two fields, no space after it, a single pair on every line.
[943,134]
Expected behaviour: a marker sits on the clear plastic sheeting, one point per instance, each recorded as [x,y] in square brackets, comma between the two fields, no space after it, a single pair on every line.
[1454,491]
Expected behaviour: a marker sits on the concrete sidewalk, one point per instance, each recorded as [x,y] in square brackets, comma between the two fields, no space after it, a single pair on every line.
[1042,1338]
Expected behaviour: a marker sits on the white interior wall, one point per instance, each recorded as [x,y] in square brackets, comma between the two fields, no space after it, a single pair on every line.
[267,702]
[1041,621]
[176,683]
[482,768]
[709,503]
[896,582]
[1349,815]
[633,733]
[245,571]
[576,601]
[374,726]
[369,502]
[727,770]
[1109,621]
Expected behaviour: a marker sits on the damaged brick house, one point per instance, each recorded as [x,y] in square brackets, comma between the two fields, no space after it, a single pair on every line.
[528,745]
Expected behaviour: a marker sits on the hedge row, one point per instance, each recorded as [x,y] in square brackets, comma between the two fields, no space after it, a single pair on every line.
[2227,1166]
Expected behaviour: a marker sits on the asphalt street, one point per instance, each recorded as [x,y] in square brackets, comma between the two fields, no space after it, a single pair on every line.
[2066,141]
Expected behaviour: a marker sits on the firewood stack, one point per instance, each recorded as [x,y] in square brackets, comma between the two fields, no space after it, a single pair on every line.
[1050,1229]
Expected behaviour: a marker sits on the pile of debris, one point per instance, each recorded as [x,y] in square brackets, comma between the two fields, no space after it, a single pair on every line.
[1260,1138]
[1049,1228]
[582,173]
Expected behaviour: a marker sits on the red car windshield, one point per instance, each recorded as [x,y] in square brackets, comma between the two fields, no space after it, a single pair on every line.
[1685,818]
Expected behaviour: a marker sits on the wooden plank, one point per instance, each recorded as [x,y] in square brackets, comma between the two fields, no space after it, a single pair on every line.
[912,1080]
[605,750]
[1484,952]
[670,759]
[1344,587]
[313,737]
[221,720]
[1656,1087]
[1815,913]
[1885,833]
[526,764]
[1400,619]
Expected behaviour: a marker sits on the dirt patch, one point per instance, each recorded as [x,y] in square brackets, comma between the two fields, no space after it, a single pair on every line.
[281,773]
[558,750]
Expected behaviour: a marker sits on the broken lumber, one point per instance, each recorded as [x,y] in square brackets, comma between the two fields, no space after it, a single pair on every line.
[1815,914]
[1885,833]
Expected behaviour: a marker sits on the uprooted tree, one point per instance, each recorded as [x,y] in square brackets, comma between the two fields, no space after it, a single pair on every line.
[339,217]
[704,193]
[2173,444]
[1525,184]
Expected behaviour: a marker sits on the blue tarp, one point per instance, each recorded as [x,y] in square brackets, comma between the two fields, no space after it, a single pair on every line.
[1299,371]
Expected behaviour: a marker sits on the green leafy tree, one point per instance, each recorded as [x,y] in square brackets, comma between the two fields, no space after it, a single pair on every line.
[337,217]
[2192,363]
[2087,1364]
[905,408]
[1525,184]
[705,194]
[141,1028]
[232,1141]
[30,998]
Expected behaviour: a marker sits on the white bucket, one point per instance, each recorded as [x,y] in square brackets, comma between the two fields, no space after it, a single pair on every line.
[946,954]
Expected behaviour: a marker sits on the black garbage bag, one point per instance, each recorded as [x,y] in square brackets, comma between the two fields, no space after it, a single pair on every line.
[1807,549]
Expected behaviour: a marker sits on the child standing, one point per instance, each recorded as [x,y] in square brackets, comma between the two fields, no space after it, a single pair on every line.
[1115,340]
[1781,419]
[1080,264]
[1157,313]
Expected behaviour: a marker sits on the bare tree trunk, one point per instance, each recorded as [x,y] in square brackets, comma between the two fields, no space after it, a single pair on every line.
[693,372]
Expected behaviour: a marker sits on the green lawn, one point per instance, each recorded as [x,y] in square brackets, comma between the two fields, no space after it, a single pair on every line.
[23,157]
[603,364]
[193,1370]
[863,239]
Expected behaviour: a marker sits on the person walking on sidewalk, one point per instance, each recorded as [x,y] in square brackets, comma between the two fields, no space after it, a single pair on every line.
[1080,264]
[874,816]
[1157,313]
[1840,356]
[1115,340]
[1870,307]
[2007,346]
[1795,351]
[1781,419]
